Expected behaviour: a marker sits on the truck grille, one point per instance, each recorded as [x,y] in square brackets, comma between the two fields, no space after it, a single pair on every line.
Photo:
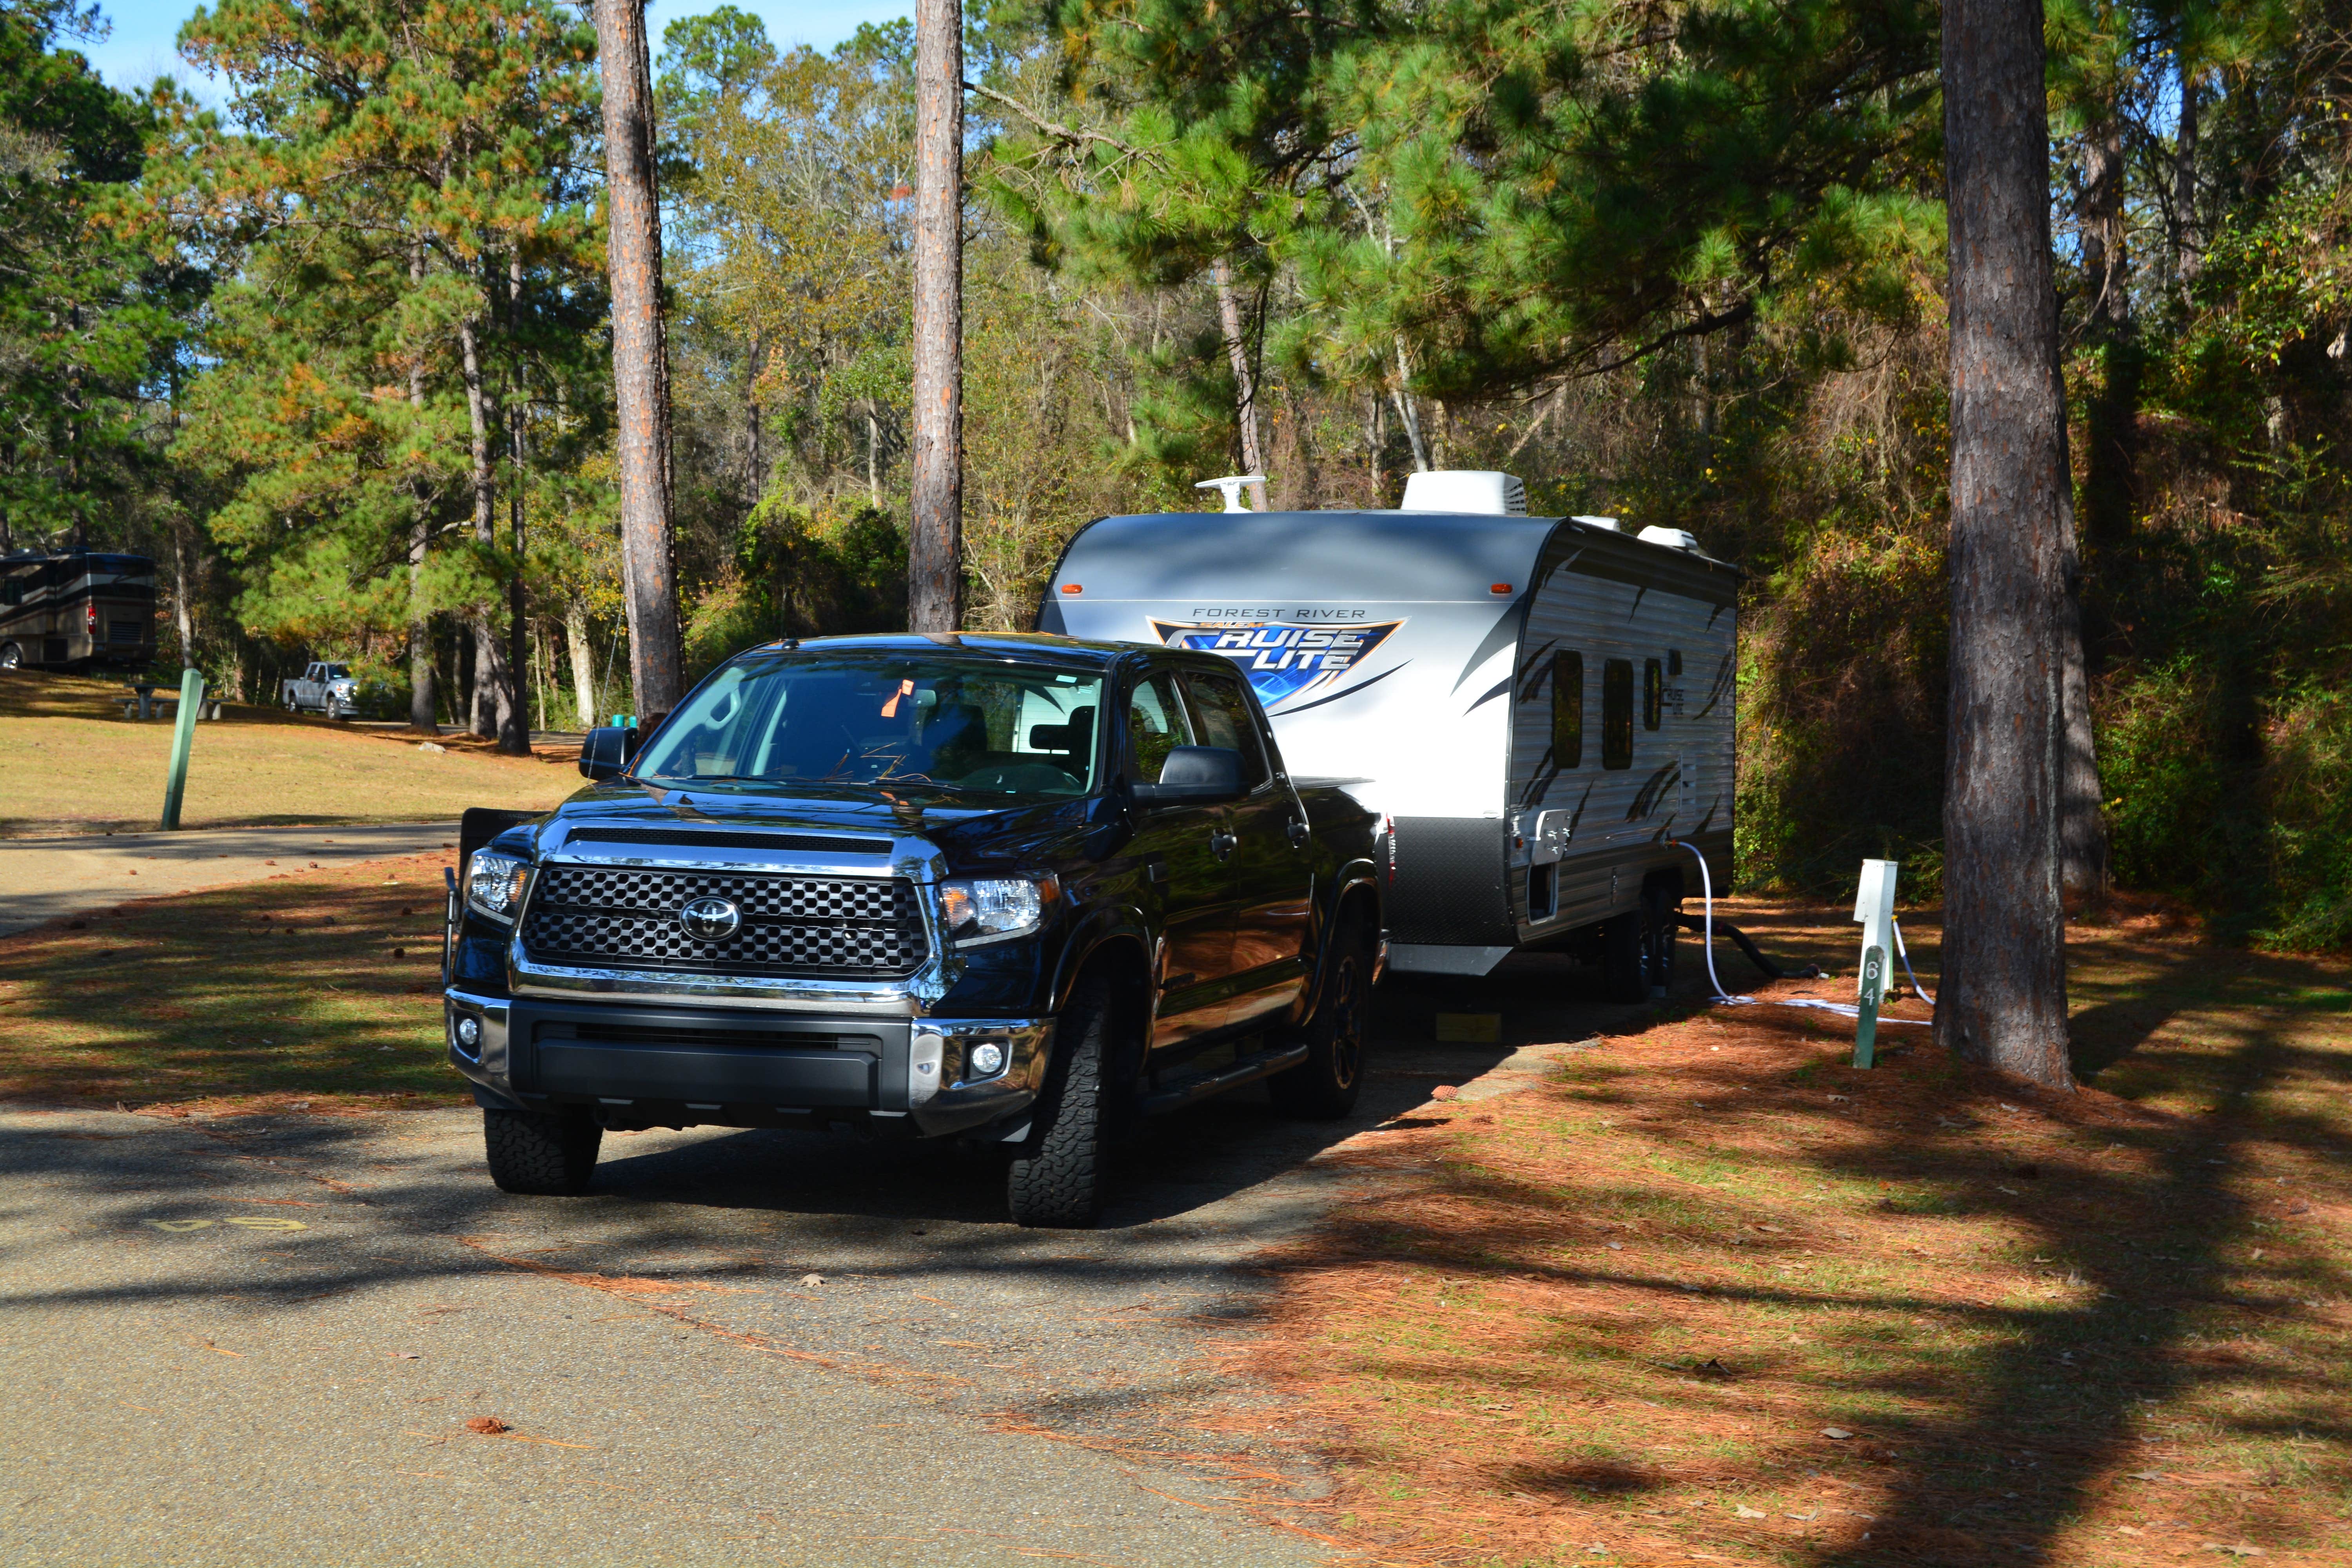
[627,918]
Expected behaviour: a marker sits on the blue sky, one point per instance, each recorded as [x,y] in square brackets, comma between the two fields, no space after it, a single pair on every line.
[140,47]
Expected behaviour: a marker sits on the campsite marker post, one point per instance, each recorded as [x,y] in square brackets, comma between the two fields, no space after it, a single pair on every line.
[1865,1024]
[183,735]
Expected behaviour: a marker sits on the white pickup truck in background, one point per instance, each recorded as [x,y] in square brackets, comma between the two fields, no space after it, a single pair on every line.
[327,688]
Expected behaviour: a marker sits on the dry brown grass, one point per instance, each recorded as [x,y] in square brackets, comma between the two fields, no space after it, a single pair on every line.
[76,765]
[1615,1317]
[322,986]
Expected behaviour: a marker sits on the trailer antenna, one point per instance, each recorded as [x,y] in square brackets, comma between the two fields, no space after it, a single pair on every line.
[1230,484]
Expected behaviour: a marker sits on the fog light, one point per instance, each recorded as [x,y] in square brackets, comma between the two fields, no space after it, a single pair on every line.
[987,1059]
[469,1034]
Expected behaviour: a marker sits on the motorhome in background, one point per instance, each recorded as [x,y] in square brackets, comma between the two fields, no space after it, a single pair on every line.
[77,608]
[1540,708]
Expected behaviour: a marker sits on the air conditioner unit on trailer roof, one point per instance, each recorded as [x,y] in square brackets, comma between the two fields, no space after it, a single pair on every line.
[1466,490]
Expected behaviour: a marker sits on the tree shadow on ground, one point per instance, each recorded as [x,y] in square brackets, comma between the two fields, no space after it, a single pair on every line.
[2011,1302]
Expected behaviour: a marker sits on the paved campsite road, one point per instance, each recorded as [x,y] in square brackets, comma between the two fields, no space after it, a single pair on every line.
[43,879]
[186,1377]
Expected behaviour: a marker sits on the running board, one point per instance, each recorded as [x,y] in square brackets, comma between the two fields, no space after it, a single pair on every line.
[1755,955]
[1240,1073]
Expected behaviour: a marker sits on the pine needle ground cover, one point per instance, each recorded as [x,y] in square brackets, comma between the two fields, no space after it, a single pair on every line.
[1709,1294]
[73,764]
[319,988]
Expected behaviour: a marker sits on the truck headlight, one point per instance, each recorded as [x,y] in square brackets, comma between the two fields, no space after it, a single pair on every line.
[991,909]
[494,884]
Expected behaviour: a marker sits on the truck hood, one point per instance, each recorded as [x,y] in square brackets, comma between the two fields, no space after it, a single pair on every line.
[972,837]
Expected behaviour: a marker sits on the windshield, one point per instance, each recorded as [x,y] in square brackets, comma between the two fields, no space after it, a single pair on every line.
[986,728]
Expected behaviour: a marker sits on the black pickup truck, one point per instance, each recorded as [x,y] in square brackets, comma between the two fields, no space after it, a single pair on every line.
[1017,889]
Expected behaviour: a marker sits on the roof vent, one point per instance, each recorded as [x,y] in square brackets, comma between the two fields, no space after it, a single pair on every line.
[1608,523]
[1672,538]
[1466,490]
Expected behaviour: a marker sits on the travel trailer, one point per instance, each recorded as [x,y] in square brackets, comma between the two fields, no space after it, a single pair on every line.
[75,609]
[1539,709]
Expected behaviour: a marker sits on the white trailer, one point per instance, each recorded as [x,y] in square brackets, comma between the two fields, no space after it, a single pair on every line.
[1541,709]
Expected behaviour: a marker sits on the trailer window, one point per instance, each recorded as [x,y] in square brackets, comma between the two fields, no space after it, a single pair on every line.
[1653,694]
[1617,713]
[12,590]
[1568,711]
[1223,714]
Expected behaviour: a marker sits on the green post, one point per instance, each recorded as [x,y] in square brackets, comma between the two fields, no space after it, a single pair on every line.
[1873,991]
[183,735]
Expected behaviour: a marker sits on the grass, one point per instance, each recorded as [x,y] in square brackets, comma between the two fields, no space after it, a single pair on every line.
[76,765]
[321,985]
[1710,1294]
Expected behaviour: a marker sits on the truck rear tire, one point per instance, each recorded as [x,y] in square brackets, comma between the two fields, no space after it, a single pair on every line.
[540,1154]
[1057,1181]
[1324,1087]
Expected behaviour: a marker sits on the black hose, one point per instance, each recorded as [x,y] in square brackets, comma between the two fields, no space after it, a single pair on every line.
[1755,955]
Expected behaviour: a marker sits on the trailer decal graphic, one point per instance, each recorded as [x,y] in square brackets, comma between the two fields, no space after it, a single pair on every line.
[1283,658]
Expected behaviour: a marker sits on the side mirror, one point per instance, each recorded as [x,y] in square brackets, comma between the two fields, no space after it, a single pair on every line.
[1196,774]
[605,752]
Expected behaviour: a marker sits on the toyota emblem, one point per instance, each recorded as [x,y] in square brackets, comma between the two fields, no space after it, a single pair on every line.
[710,920]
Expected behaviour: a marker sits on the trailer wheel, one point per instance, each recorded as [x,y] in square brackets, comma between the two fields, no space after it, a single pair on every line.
[1326,1084]
[1624,958]
[547,1154]
[1661,913]
[1057,1181]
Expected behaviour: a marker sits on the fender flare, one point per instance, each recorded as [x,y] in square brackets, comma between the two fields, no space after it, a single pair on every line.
[1099,928]
[1357,873]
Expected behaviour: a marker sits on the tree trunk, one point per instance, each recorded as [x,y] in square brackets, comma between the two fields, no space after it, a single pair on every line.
[422,713]
[935,511]
[1409,416]
[494,694]
[514,731]
[755,459]
[2188,243]
[1237,354]
[584,664]
[184,619]
[640,367]
[2112,419]
[2004,996]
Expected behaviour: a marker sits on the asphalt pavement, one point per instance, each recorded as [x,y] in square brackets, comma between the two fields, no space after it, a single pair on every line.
[48,878]
[260,1340]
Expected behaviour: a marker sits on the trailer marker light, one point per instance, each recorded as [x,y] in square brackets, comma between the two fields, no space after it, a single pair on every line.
[1073,588]
[1499,588]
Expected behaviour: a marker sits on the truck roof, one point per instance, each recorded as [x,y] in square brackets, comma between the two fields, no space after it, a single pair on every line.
[999,645]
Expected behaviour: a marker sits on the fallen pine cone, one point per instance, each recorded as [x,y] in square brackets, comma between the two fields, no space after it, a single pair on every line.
[1444,1091]
[487,1426]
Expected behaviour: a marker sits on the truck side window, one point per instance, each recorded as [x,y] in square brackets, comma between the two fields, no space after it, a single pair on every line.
[1225,719]
[1568,711]
[1155,726]
[1653,694]
[1617,713]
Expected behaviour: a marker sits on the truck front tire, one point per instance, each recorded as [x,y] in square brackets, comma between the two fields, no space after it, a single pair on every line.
[1057,1181]
[540,1154]
[1324,1087]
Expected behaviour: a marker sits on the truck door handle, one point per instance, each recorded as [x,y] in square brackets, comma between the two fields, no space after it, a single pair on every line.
[1221,843]
[1299,833]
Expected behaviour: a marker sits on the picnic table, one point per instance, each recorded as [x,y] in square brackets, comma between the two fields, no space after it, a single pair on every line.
[146,705]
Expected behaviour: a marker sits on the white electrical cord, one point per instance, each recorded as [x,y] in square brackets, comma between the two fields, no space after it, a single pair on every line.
[1842,1009]
[1907,962]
